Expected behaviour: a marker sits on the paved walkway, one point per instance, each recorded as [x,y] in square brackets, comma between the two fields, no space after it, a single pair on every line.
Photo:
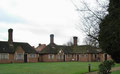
[113,69]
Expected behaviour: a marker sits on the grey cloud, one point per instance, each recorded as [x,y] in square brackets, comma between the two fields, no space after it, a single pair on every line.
[8,18]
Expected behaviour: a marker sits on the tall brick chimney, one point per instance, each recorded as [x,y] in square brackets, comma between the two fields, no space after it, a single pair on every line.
[75,40]
[51,38]
[10,36]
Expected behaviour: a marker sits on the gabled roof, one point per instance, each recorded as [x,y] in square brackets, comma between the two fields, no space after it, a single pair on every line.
[40,47]
[5,48]
[54,49]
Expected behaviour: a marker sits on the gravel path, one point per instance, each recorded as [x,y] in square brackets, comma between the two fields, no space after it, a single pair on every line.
[113,69]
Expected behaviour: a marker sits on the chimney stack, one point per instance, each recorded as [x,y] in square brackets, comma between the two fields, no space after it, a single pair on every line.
[39,44]
[10,36]
[51,38]
[75,40]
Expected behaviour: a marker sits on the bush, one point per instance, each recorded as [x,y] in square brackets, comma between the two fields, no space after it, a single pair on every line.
[105,67]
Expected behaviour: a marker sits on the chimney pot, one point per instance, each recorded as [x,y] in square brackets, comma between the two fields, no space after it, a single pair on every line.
[10,36]
[39,44]
[51,38]
[75,40]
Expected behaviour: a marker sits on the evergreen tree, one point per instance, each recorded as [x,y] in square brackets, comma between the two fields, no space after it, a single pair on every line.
[109,35]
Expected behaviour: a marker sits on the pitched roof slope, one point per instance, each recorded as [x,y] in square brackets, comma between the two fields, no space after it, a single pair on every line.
[85,49]
[5,48]
[54,49]
[40,47]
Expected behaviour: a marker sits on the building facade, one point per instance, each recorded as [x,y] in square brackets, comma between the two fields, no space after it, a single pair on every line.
[21,52]
[62,53]
[16,52]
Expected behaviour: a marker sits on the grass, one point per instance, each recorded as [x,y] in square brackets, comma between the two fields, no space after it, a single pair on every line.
[48,68]
[116,72]
[117,65]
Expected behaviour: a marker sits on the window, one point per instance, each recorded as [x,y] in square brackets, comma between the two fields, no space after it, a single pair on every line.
[4,56]
[19,56]
[79,55]
[60,56]
[32,55]
[85,55]
[69,55]
[51,56]
[82,55]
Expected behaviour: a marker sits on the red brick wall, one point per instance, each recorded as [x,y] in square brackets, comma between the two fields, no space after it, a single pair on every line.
[9,60]
[45,58]
[12,58]
[102,57]
[83,57]
[18,50]
[29,59]
[75,57]
[70,57]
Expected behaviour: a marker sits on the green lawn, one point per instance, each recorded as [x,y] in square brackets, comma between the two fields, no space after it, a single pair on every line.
[116,72]
[48,68]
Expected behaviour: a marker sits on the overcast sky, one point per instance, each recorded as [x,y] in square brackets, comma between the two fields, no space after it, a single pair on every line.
[34,20]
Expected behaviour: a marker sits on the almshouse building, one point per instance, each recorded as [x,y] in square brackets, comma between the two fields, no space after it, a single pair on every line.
[16,52]
[61,53]
[20,52]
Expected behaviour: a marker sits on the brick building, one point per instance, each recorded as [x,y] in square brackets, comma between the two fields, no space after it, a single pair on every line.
[40,47]
[61,53]
[17,52]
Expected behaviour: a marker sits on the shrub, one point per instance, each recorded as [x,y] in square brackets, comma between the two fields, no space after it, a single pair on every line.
[105,67]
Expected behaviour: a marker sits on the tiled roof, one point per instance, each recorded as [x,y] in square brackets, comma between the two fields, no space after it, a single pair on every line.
[54,49]
[40,47]
[5,48]
[85,49]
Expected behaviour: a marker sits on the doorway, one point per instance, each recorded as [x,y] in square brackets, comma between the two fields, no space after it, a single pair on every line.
[25,58]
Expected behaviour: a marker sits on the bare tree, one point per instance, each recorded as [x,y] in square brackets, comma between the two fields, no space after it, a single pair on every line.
[91,14]
[69,43]
[90,41]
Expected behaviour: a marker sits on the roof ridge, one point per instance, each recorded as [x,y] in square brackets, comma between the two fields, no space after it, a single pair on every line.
[20,42]
[3,41]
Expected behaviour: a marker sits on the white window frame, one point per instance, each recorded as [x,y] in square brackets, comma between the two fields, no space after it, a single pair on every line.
[4,56]
[60,57]
[51,56]
[32,55]
[19,57]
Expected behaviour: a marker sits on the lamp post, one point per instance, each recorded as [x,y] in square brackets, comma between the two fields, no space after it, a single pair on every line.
[89,67]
